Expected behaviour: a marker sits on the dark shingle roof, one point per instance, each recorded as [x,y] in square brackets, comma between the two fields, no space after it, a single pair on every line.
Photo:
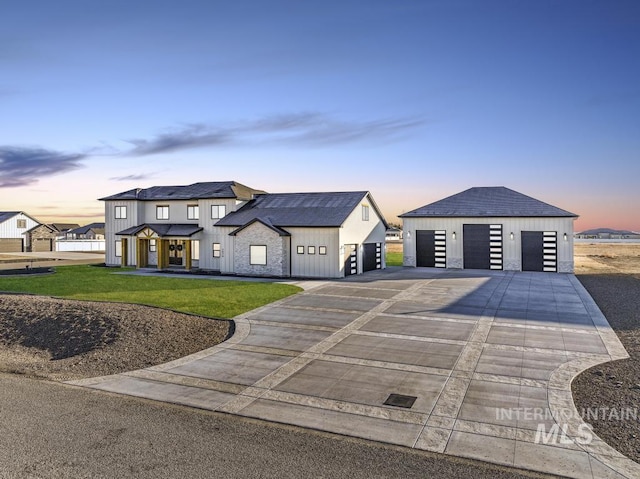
[5,215]
[64,227]
[297,209]
[163,229]
[213,189]
[81,230]
[495,201]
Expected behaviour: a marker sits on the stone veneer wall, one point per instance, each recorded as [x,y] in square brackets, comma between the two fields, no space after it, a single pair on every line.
[277,254]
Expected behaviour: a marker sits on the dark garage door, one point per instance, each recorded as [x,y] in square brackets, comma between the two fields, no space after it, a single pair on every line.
[431,249]
[351,259]
[10,245]
[539,251]
[482,246]
[372,256]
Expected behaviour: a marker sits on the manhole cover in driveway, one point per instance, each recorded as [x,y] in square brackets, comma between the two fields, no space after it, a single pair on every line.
[399,400]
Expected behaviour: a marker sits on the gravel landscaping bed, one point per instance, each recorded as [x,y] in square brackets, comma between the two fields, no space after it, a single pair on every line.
[615,385]
[63,339]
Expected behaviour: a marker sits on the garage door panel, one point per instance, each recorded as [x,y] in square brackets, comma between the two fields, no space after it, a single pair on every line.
[431,248]
[482,246]
[42,245]
[372,256]
[539,251]
[10,245]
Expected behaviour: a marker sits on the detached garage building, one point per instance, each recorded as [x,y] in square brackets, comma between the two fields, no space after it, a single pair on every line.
[492,228]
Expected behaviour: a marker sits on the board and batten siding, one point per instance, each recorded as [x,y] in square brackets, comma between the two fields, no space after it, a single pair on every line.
[315,265]
[357,231]
[511,248]
[9,228]
[113,226]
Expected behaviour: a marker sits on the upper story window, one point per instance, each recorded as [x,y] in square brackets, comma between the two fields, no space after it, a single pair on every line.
[120,212]
[162,212]
[193,212]
[365,213]
[218,211]
[21,224]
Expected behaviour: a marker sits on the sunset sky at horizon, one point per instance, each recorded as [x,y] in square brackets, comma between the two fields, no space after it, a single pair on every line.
[413,101]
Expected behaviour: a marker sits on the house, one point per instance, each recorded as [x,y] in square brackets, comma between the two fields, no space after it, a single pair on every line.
[233,229]
[490,228]
[91,231]
[327,235]
[607,233]
[14,226]
[393,234]
[43,236]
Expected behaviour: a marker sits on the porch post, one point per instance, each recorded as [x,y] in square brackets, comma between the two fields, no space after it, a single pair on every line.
[187,254]
[124,252]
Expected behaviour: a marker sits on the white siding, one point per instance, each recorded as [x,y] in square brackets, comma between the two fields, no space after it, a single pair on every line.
[357,231]
[9,228]
[512,250]
[113,226]
[315,265]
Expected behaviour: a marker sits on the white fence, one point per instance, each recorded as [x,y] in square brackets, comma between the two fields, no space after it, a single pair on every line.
[80,245]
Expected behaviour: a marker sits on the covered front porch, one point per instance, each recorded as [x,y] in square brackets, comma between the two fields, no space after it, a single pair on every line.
[161,246]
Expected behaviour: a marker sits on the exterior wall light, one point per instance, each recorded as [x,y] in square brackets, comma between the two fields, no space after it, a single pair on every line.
[565,237]
[453,235]
[408,235]
[511,236]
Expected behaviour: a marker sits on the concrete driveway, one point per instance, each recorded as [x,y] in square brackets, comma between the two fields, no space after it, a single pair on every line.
[473,364]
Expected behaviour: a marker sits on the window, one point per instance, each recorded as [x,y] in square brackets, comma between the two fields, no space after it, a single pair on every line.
[162,212]
[322,250]
[218,211]
[300,249]
[121,212]
[311,250]
[118,249]
[258,254]
[195,250]
[216,250]
[193,212]
[153,246]
[22,224]
[365,213]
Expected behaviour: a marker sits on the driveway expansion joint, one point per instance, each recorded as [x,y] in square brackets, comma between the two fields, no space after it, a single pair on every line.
[329,357]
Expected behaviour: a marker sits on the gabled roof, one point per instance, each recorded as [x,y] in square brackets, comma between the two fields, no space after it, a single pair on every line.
[298,209]
[494,201]
[81,230]
[163,229]
[5,215]
[63,227]
[213,189]
[266,223]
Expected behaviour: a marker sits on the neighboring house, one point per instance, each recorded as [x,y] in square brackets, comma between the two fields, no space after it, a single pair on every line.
[393,234]
[91,231]
[234,229]
[14,226]
[490,228]
[606,233]
[62,228]
[41,238]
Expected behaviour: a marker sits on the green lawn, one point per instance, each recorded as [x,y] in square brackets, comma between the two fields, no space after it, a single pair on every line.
[216,299]
[394,259]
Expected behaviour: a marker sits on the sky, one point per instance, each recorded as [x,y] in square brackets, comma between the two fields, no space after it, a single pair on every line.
[411,100]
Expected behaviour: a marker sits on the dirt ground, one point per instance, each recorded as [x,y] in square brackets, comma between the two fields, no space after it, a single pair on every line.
[603,258]
[611,274]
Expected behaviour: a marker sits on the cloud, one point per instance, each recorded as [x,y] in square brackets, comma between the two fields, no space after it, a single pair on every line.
[138,177]
[311,129]
[192,136]
[21,166]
